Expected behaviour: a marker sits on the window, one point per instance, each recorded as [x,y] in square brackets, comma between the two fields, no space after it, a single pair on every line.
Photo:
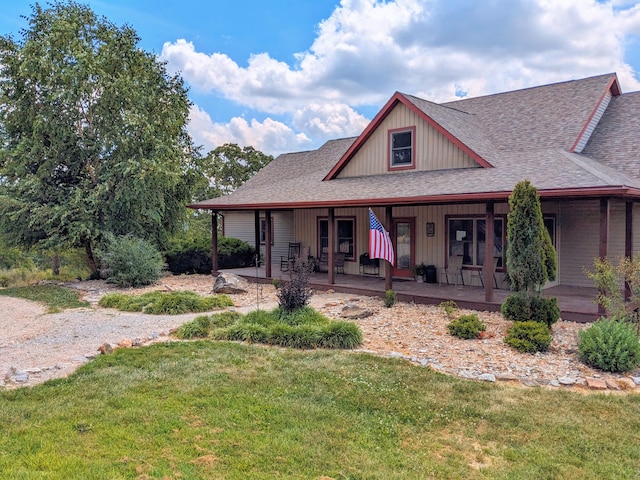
[263,231]
[401,148]
[467,238]
[345,236]
[550,224]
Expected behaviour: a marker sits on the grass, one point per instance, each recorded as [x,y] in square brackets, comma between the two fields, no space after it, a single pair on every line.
[203,410]
[172,303]
[301,328]
[56,298]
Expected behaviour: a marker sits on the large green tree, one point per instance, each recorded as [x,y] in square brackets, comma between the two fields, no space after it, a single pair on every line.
[93,133]
[229,166]
[531,258]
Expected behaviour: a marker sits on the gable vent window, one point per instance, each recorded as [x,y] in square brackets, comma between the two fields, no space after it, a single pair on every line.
[401,144]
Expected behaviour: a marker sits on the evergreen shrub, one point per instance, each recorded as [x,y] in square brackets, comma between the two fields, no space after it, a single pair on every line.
[390,298]
[132,262]
[610,345]
[466,326]
[528,337]
[545,310]
[516,307]
[193,255]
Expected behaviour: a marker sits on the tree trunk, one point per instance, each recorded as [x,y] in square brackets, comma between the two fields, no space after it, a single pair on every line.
[56,263]
[91,260]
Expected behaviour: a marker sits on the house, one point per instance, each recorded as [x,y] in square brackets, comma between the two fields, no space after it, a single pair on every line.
[438,176]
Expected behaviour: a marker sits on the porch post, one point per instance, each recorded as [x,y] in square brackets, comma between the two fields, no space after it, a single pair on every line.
[388,271]
[214,243]
[331,245]
[488,252]
[628,243]
[256,232]
[267,243]
[605,210]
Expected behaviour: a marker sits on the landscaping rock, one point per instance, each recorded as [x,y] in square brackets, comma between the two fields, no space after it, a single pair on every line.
[567,381]
[596,384]
[230,284]
[626,383]
[487,377]
[105,349]
[353,312]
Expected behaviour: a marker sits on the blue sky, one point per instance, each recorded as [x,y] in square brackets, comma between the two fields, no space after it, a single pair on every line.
[284,75]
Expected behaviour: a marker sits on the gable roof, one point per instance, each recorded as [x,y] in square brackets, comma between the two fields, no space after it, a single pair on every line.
[455,125]
[526,134]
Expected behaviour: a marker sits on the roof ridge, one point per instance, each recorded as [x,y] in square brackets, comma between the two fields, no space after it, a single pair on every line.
[573,157]
[534,87]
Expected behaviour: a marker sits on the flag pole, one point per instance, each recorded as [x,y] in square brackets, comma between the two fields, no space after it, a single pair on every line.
[388,283]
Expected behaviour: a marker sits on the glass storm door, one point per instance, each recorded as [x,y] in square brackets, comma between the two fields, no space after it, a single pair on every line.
[404,237]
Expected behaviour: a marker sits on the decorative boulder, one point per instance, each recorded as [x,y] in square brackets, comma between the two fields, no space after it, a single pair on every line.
[230,283]
[353,312]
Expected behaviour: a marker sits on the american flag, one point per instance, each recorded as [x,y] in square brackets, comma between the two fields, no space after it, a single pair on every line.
[380,245]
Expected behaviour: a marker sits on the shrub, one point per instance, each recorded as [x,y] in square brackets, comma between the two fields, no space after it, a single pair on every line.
[528,337]
[516,307]
[390,298]
[132,262]
[193,255]
[545,310]
[296,293]
[449,307]
[610,345]
[171,303]
[197,328]
[466,326]
[4,281]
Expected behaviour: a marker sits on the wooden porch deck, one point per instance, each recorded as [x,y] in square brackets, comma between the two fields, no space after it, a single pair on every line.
[576,303]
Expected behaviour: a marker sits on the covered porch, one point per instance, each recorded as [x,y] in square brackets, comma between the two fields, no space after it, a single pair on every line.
[576,303]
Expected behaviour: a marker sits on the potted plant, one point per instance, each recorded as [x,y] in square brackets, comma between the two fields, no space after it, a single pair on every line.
[419,271]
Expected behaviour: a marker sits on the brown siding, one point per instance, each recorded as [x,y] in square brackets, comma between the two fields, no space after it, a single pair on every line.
[432,150]
[579,240]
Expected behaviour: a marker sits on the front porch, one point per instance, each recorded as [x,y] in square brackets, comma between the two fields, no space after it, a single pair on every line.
[576,303]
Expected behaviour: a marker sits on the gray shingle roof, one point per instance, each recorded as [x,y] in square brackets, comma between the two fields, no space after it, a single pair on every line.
[525,134]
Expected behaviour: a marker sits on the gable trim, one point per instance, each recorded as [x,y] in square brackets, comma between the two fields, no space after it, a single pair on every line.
[377,121]
[614,89]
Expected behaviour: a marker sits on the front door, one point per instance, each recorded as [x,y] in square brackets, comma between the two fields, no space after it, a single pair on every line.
[404,239]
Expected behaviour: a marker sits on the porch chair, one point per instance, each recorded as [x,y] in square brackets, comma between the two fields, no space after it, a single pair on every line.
[453,270]
[338,262]
[480,273]
[291,258]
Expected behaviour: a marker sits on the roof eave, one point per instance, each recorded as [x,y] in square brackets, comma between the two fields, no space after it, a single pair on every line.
[619,191]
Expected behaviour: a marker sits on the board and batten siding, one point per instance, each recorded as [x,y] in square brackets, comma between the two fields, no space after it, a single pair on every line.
[580,239]
[430,250]
[241,225]
[433,151]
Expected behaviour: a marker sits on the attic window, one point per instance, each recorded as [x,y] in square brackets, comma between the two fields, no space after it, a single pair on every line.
[401,146]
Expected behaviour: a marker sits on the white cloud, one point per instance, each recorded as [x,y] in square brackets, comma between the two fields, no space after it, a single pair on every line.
[270,136]
[367,49]
[329,120]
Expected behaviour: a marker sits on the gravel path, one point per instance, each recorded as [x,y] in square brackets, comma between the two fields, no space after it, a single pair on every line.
[35,346]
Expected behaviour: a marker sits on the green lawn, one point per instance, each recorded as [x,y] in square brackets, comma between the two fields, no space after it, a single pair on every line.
[199,410]
[56,298]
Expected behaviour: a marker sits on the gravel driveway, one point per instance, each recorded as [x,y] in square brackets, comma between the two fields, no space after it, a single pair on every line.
[35,346]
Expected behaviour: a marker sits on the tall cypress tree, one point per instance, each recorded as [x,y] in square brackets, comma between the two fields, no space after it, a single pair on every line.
[531,258]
